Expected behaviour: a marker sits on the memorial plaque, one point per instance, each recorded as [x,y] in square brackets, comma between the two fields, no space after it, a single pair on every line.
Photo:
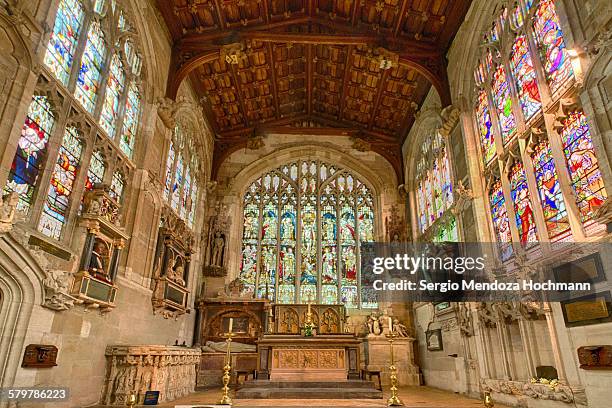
[150,398]
[590,309]
[39,356]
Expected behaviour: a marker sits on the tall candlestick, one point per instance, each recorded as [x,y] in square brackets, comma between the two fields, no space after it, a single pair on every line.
[231,324]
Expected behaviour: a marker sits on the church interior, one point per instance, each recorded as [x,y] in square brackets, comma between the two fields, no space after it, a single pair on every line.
[190,189]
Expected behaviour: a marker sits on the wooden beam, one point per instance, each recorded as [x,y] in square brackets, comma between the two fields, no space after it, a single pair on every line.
[379,93]
[274,90]
[309,70]
[397,28]
[345,79]
[241,97]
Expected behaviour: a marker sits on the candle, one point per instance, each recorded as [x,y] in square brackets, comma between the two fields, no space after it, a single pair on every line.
[231,324]
[309,308]
[390,325]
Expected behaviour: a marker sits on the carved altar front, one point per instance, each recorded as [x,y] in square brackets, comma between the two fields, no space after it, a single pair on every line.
[290,319]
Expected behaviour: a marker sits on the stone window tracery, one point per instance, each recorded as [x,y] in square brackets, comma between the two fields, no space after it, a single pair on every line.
[526,71]
[182,166]
[303,225]
[93,57]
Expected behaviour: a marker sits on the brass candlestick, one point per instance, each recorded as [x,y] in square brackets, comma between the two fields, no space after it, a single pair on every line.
[394,400]
[488,400]
[131,400]
[225,398]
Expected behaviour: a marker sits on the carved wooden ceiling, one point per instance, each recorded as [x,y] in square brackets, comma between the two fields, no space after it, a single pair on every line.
[354,67]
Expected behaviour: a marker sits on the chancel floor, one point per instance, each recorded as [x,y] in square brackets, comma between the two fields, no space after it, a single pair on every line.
[412,397]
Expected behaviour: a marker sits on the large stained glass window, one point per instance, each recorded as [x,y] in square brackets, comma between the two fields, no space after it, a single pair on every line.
[582,164]
[92,66]
[114,89]
[501,223]
[169,168]
[31,152]
[303,226]
[556,61]
[116,187]
[525,76]
[64,38]
[522,204]
[57,202]
[551,198]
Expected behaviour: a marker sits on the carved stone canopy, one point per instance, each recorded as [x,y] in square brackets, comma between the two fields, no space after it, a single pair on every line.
[175,229]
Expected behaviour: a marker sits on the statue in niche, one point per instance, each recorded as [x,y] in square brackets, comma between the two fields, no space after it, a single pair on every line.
[176,272]
[8,207]
[98,262]
[217,250]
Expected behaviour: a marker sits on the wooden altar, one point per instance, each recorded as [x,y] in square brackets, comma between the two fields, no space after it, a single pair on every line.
[286,357]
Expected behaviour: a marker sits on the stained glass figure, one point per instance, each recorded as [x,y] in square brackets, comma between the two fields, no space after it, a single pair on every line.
[193,204]
[186,194]
[56,205]
[551,198]
[92,66]
[116,187]
[130,121]
[522,204]
[525,76]
[306,249]
[503,104]
[487,140]
[501,223]
[114,89]
[31,150]
[585,175]
[556,60]
[64,37]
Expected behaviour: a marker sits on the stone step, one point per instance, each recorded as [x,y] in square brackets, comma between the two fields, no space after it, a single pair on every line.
[308,393]
[307,384]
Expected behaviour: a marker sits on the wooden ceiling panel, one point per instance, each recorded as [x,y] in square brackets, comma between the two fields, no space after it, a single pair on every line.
[362,67]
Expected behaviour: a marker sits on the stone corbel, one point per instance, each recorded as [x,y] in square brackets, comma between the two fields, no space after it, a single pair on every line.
[255,142]
[464,198]
[450,118]
[57,288]
[166,109]
[361,145]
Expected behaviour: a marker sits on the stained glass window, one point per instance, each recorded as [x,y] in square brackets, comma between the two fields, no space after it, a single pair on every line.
[501,223]
[434,185]
[503,104]
[555,57]
[551,198]
[96,170]
[116,187]
[193,204]
[522,204]
[56,204]
[130,121]
[31,151]
[169,168]
[64,38]
[484,126]
[582,164]
[525,76]
[92,66]
[177,183]
[334,212]
[114,89]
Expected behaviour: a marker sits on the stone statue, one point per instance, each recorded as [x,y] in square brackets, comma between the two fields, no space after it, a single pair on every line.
[217,251]
[8,207]
[374,326]
[399,329]
[221,347]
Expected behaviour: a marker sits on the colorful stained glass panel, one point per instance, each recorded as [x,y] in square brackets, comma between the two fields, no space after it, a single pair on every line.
[64,37]
[92,66]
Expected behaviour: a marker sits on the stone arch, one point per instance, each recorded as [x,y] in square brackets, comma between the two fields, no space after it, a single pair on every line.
[21,290]
[379,184]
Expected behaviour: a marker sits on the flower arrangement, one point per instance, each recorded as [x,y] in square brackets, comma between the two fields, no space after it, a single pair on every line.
[551,383]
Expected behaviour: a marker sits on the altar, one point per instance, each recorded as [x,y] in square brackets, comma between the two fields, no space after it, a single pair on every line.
[332,357]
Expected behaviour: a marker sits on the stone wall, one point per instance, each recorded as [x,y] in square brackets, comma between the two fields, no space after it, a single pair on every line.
[35,306]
